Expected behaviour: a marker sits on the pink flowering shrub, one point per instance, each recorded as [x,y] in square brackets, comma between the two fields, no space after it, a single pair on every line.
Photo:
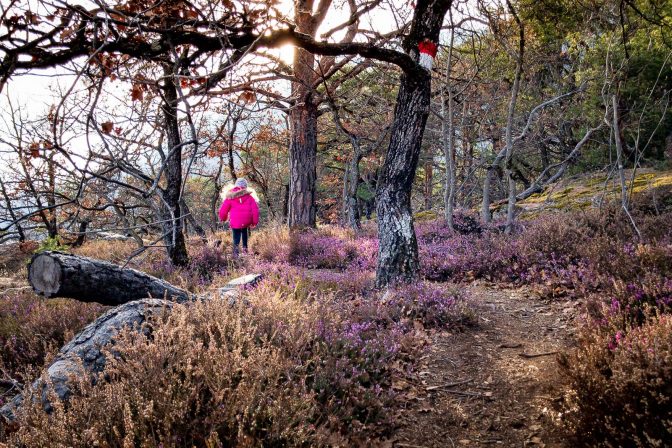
[313,250]
[33,328]
[292,366]
[433,305]
[206,262]
[349,283]
[565,253]
[621,393]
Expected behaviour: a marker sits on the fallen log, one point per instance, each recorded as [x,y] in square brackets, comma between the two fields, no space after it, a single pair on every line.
[85,352]
[57,274]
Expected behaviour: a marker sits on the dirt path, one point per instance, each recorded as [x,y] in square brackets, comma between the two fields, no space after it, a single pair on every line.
[478,388]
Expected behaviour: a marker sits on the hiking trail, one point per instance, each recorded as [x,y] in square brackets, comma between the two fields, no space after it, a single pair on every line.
[495,384]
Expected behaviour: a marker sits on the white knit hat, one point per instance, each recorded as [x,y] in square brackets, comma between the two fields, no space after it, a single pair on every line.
[242,183]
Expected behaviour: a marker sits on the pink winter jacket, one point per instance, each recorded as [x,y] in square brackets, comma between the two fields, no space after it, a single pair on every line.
[242,207]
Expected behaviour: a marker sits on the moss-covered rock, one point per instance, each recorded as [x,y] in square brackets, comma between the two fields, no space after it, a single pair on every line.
[591,191]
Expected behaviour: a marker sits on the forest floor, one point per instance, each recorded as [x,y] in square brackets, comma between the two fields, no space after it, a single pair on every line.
[495,384]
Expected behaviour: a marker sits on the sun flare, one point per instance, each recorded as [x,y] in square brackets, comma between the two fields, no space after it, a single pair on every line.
[286,53]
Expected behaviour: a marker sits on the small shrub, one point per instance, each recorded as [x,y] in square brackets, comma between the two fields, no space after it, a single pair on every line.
[321,251]
[113,251]
[52,244]
[205,263]
[620,381]
[32,329]
[272,244]
[350,283]
[287,369]
[207,377]
[433,305]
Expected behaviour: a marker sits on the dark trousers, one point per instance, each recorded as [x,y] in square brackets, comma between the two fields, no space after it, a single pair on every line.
[238,235]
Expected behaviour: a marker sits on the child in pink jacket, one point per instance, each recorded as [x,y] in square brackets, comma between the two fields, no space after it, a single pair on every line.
[244,213]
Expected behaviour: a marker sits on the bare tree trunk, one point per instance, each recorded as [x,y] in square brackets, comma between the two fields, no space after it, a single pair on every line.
[12,214]
[511,207]
[285,202]
[447,126]
[350,203]
[55,274]
[429,182]
[124,220]
[619,152]
[52,226]
[486,216]
[192,220]
[619,162]
[31,187]
[81,236]
[229,147]
[351,214]
[214,199]
[303,126]
[303,164]
[398,247]
[173,225]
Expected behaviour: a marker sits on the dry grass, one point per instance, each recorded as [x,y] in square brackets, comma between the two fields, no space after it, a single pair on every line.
[32,330]
[264,374]
[108,250]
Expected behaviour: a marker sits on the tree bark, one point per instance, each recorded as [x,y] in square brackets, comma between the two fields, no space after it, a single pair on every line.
[447,125]
[52,224]
[398,248]
[230,148]
[303,164]
[55,274]
[429,182]
[350,187]
[486,215]
[192,221]
[10,209]
[285,202]
[84,354]
[173,221]
[510,210]
[303,122]
[81,237]
[616,123]
[619,152]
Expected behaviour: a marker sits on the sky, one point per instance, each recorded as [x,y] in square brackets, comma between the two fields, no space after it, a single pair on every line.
[36,92]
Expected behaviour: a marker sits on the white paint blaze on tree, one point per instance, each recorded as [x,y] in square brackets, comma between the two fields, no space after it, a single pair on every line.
[427,50]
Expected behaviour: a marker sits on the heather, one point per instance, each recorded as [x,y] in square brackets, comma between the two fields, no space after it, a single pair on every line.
[311,356]
[308,359]
[32,330]
[623,354]
[300,368]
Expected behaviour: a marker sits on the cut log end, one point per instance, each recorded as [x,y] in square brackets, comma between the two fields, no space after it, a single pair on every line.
[44,274]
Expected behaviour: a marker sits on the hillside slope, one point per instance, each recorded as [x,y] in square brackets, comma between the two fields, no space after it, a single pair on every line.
[580,192]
